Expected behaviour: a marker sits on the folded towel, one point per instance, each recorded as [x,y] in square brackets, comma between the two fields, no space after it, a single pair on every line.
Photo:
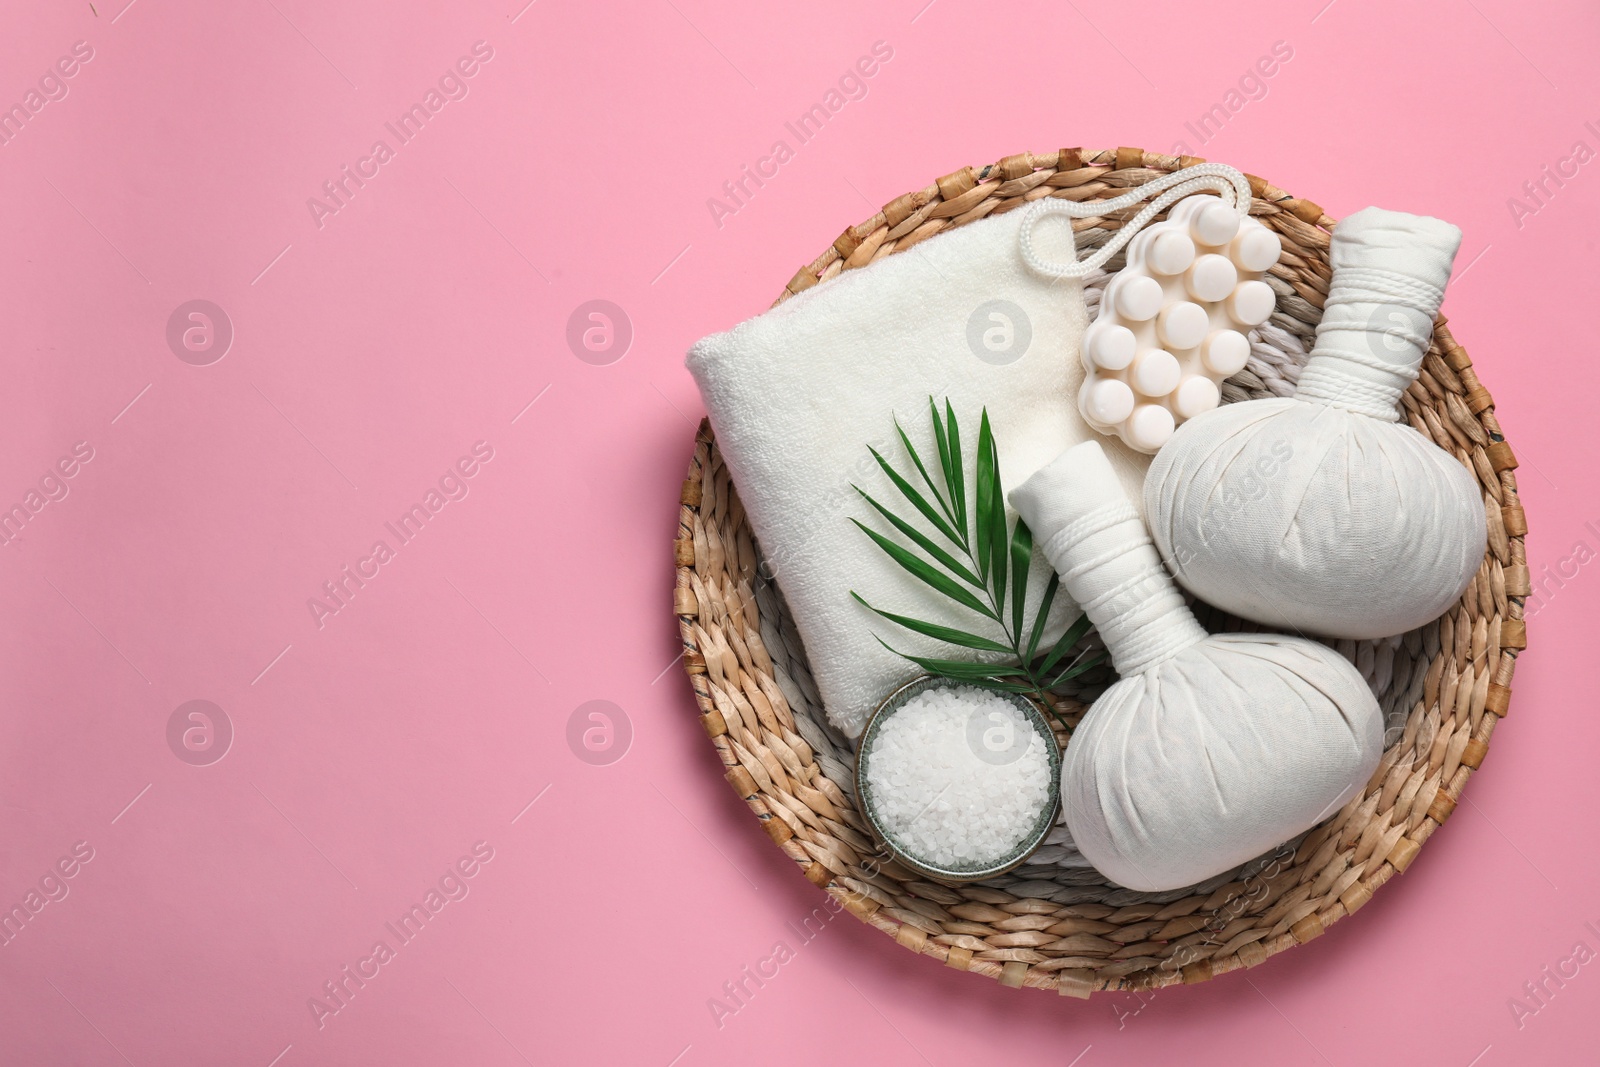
[797,394]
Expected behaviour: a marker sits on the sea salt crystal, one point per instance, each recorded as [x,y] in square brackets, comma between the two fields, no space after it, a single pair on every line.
[958,777]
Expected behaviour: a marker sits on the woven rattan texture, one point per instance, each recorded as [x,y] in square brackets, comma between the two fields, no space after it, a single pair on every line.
[1444,687]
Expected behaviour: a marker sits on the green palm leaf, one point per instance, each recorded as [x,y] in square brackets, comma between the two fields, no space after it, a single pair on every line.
[1021,563]
[923,541]
[954,476]
[983,514]
[910,493]
[917,459]
[997,543]
[991,558]
[1064,644]
[1076,668]
[943,443]
[1041,616]
[947,634]
[960,669]
[925,572]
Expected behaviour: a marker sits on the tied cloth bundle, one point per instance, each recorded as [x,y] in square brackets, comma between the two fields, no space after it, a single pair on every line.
[1211,749]
[1322,512]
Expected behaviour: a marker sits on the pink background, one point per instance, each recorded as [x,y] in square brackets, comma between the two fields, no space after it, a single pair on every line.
[372,352]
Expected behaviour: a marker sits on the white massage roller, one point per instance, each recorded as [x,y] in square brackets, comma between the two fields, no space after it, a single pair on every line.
[1174,321]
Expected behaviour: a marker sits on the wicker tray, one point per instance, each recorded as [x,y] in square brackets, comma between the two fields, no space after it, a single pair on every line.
[1057,928]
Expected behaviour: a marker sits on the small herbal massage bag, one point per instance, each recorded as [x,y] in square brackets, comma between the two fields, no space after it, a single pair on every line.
[1211,749]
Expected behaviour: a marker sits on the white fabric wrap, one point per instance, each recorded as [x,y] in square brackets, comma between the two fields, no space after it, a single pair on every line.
[1210,750]
[797,394]
[1323,513]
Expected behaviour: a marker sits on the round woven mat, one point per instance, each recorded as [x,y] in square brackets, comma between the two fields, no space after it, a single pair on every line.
[1444,687]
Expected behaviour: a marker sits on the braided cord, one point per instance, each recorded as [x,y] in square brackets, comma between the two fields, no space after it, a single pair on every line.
[1202,177]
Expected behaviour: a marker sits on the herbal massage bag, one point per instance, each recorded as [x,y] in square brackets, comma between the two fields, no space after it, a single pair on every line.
[1210,749]
[1322,512]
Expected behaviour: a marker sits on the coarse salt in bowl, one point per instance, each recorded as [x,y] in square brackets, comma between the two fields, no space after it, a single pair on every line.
[958,782]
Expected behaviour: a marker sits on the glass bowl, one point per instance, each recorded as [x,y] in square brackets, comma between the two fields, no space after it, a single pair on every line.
[972,873]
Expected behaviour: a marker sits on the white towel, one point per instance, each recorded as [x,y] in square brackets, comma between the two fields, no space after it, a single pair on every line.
[797,394]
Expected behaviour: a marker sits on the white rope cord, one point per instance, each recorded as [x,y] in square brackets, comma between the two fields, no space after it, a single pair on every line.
[1328,378]
[1322,383]
[1202,177]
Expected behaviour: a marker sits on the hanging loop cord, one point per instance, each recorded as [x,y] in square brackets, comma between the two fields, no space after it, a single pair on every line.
[1202,177]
